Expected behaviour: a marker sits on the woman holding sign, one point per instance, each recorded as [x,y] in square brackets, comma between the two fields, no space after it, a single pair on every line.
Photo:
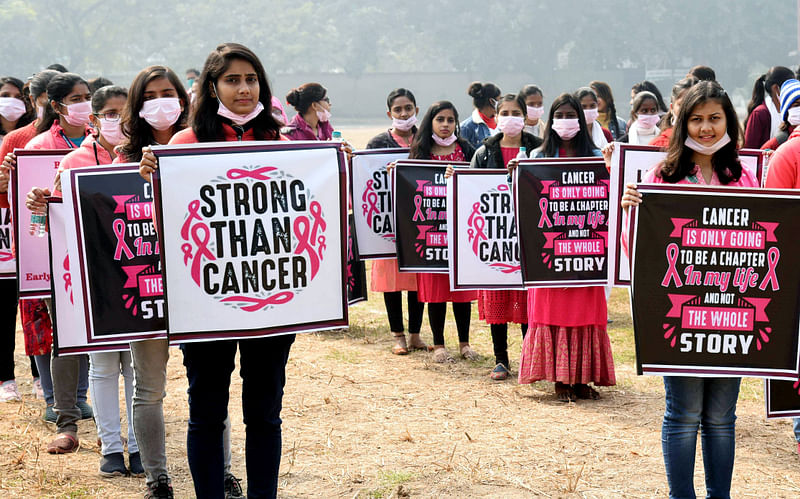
[385,276]
[438,139]
[232,96]
[499,307]
[701,151]
[567,344]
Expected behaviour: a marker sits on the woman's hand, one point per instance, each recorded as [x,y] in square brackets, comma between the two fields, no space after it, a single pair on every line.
[148,164]
[608,150]
[57,182]
[631,197]
[512,165]
[390,167]
[36,200]
[9,163]
[449,171]
[348,150]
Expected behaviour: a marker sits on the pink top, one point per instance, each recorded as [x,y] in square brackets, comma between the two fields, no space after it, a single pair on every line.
[456,155]
[52,139]
[90,153]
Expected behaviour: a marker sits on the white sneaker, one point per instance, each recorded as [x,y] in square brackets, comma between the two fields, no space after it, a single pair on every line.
[37,389]
[9,391]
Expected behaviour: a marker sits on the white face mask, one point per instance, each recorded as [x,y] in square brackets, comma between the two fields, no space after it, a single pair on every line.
[590,115]
[793,116]
[404,125]
[708,150]
[11,108]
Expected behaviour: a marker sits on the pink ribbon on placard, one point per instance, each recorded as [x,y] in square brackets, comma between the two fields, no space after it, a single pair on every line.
[259,303]
[672,272]
[544,219]
[6,256]
[202,250]
[122,246]
[418,209]
[760,304]
[502,187]
[257,174]
[476,221]
[302,230]
[370,198]
[132,272]
[319,222]
[770,227]
[194,207]
[677,224]
[506,268]
[546,186]
[549,237]
[677,302]
[121,200]
[773,255]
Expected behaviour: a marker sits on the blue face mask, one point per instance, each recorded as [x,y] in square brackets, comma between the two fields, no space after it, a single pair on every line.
[189,82]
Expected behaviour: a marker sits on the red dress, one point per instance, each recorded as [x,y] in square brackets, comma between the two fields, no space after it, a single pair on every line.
[435,288]
[503,306]
[567,340]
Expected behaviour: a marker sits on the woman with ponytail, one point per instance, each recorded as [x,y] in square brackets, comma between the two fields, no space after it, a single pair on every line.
[481,124]
[763,115]
[313,106]
[607,111]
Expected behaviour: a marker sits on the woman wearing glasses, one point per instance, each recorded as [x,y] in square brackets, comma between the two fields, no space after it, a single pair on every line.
[313,106]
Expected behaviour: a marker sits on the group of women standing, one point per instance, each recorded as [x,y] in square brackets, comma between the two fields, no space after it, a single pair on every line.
[565,339]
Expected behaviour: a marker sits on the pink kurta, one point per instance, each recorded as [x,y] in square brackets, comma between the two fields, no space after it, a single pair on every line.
[385,278]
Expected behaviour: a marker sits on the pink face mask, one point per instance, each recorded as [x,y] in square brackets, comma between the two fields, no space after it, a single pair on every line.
[78,113]
[647,121]
[590,115]
[566,128]
[404,125]
[511,125]
[161,113]
[534,113]
[111,131]
[324,115]
[237,119]
[444,142]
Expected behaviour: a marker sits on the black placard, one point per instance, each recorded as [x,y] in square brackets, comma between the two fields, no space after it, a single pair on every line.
[356,268]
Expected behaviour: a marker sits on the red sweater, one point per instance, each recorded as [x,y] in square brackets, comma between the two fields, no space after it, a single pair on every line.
[663,139]
[758,127]
[784,165]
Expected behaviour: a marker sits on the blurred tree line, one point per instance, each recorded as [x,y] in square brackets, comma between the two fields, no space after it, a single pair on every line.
[739,38]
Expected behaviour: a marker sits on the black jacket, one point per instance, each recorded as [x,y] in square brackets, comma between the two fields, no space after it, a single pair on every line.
[489,154]
[385,141]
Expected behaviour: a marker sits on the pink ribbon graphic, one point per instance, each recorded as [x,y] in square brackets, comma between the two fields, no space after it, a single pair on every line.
[423,229]
[549,237]
[202,250]
[773,255]
[121,200]
[677,224]
[760,304]
[6,256]
[132,271]
[770,227]
[544,219]
[478,223]
[257,174]
[418,215]
[259,303]
[370,206]
[506,268]
[546,186]
[672,272]
[502,187]
[677,302]
[122,246]
[303,231]
[194,207]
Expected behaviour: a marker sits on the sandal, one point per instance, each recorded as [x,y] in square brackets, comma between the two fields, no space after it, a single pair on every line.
[400,347]
[499,373]
[468,353]
[441,356]
[415,343]
[64,443]
[564,392]
[583,391]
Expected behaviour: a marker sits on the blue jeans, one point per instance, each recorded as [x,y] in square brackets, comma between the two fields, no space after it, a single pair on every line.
[263,370]
[710,405]
[796,422]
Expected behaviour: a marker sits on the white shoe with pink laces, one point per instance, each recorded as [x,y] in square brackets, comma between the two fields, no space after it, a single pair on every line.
[9,391]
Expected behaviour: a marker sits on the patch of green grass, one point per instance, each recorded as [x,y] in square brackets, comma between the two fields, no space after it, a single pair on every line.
[347,356]
[388,482]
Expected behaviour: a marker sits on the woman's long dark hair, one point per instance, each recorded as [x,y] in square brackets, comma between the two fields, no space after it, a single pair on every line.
[138,131]
[584,146]
[603,91]
[29,114]
[59,87]
[423,141]
[206,123]
[652,88]
[678,163]
[775,76]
